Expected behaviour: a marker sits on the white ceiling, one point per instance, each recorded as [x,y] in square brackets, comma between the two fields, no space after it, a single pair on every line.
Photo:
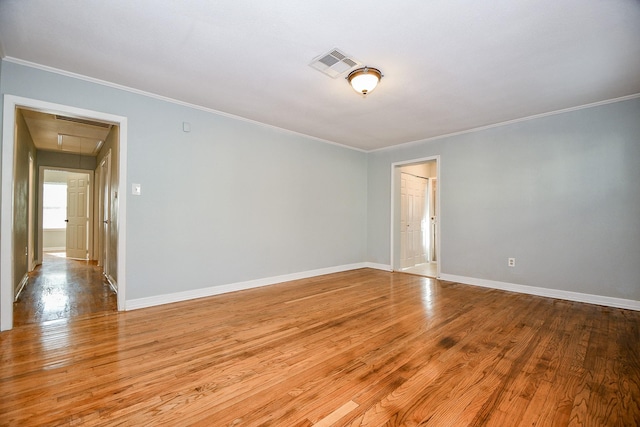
[449,65]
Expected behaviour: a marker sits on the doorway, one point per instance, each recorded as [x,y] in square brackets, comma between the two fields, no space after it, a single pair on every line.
[9,180]
[415,236]
[67,212]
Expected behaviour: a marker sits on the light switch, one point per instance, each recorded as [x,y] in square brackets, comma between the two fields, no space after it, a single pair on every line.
[135,189]
[186,127]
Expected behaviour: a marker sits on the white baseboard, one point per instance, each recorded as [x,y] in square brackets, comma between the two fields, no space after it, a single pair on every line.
[55,249]
[239,286]
[545,292]
[112,283]
[383,267]
[232,287]
[21,286]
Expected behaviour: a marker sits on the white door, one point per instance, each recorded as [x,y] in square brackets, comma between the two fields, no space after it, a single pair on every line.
[30,216]
[404,222]
[433,221]
[77,215]
[105,210]
[413,250]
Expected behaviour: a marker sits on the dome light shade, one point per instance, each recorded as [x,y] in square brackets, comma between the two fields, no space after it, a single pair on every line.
[364,80]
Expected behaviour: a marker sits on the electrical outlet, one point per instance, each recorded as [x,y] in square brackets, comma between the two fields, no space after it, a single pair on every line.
[511,262]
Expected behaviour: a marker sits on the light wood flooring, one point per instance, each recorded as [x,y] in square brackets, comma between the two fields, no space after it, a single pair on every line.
[429,269]
[360,348]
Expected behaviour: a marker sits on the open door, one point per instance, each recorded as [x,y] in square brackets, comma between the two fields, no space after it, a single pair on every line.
[104,170]
[413,250]
[31,217]
[415,208]
[77,243]
[433,219]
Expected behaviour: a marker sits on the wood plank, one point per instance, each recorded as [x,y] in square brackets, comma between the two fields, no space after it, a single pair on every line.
[363,347]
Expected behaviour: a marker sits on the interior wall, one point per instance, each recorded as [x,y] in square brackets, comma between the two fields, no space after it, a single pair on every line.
[24,147]
[54,240]
[227,202]
[66,160]
[559,193]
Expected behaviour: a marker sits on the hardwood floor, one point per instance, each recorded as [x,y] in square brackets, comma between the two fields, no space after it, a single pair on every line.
[62,288]
[360,348]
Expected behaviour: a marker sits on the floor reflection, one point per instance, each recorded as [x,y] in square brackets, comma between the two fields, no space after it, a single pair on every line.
[429,269]
[63,288]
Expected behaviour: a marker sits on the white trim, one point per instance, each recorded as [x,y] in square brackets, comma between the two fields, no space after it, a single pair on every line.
[376,266]
[396,197]
[170,100]
[239,286]
[54,249]
[6,217]
[546,292]
[11,102]
[21,286]
[508,122]
[326,141]
[31,203]
[112,283]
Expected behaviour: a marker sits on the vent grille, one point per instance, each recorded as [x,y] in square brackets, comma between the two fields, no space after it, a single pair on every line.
[334,63]
[84,122]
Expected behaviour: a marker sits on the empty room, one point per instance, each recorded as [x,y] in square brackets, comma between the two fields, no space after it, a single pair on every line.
[320,213]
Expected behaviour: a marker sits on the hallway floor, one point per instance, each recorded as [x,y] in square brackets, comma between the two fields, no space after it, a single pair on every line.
[429,269]
[62,288]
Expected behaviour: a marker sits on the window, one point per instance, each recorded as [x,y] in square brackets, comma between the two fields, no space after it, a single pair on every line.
[54,205]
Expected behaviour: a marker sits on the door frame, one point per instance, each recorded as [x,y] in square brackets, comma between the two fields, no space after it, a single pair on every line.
[103,185]
[394,251]
[31,251]
[41,170]
[11,102]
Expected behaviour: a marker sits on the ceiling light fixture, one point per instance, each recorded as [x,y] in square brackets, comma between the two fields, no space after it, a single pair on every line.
[364,80]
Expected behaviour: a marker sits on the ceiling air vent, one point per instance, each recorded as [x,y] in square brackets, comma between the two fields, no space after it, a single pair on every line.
[83,121]
[334,63]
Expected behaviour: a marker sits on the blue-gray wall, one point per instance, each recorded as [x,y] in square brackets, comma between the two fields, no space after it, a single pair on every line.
[232,201]
[559,193]
[24,148]
[229,201]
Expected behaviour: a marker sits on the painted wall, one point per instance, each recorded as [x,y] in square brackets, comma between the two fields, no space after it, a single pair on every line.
[25,147]
[232,201]
[54,239]
[559,193]
[229,201]
[66,160]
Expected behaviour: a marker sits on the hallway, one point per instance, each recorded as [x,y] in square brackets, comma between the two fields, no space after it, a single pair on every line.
[429,269]
[63,288]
